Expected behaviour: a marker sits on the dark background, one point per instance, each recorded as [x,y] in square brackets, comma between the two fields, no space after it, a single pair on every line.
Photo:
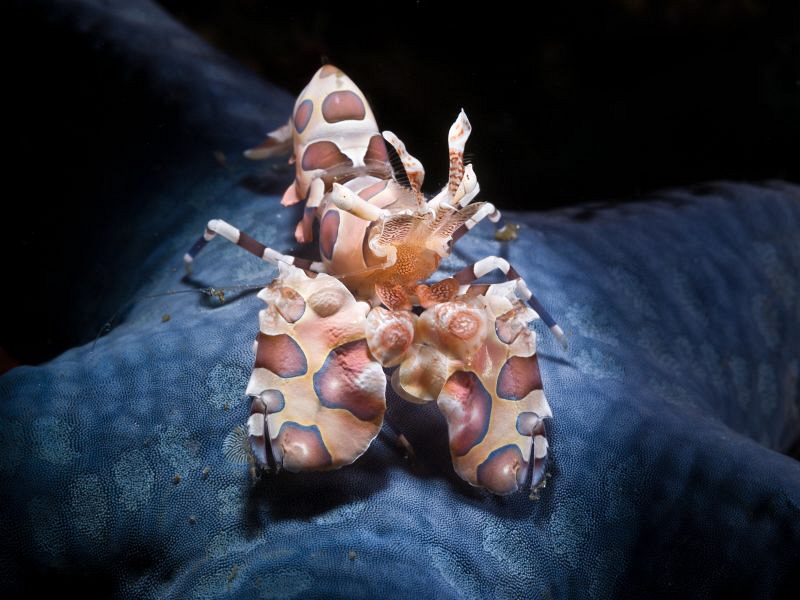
[570,102]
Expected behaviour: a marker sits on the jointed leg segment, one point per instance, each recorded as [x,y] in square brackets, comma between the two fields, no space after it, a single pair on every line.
[240,238]
[348,201]
[487,210]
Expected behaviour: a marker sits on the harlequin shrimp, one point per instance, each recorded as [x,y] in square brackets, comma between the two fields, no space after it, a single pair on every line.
[332,327]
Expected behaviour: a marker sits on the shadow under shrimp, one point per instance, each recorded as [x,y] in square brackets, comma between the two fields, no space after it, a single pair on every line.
[305,495]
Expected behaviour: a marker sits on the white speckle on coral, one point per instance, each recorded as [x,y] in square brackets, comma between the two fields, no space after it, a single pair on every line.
[511,548]
[222,543]
[687,295]
[622,487]
[456,572]
[236,446]
[218,583]
[570,526]
[231,500]
[783,284]
[88,507]
[673,393]
[636,292]
[663,351]
[173,445]
[599,364]
[590,321]
[134,479]
[227,384]
[53,442]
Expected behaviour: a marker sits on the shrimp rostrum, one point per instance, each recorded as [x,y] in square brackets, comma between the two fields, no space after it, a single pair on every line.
[333,328]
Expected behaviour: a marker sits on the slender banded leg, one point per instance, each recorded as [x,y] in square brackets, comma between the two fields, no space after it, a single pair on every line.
[487,210]
[240,238]
[486,265]
[347,200]
[466,192]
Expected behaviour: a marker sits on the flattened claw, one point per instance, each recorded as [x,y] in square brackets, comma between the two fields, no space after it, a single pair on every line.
[319,395]
[487,386]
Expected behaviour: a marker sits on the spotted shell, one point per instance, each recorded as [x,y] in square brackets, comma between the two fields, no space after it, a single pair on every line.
[476,357]
[332,128]
[318,394]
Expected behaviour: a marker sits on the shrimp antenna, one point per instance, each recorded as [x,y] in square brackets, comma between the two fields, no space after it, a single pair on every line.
[215,292]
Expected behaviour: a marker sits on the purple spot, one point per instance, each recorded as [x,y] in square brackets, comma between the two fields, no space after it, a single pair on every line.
[301,448]
[303,115]
[376,150]
[343,106]
[467,406]
[503,471]
[323,155]
[281,355]
[328,232]
[337,383]
[519,377]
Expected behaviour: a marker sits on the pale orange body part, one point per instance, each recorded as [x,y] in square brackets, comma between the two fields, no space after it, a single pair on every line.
[318,385]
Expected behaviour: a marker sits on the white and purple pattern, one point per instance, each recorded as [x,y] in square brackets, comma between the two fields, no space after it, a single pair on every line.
[672,476]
